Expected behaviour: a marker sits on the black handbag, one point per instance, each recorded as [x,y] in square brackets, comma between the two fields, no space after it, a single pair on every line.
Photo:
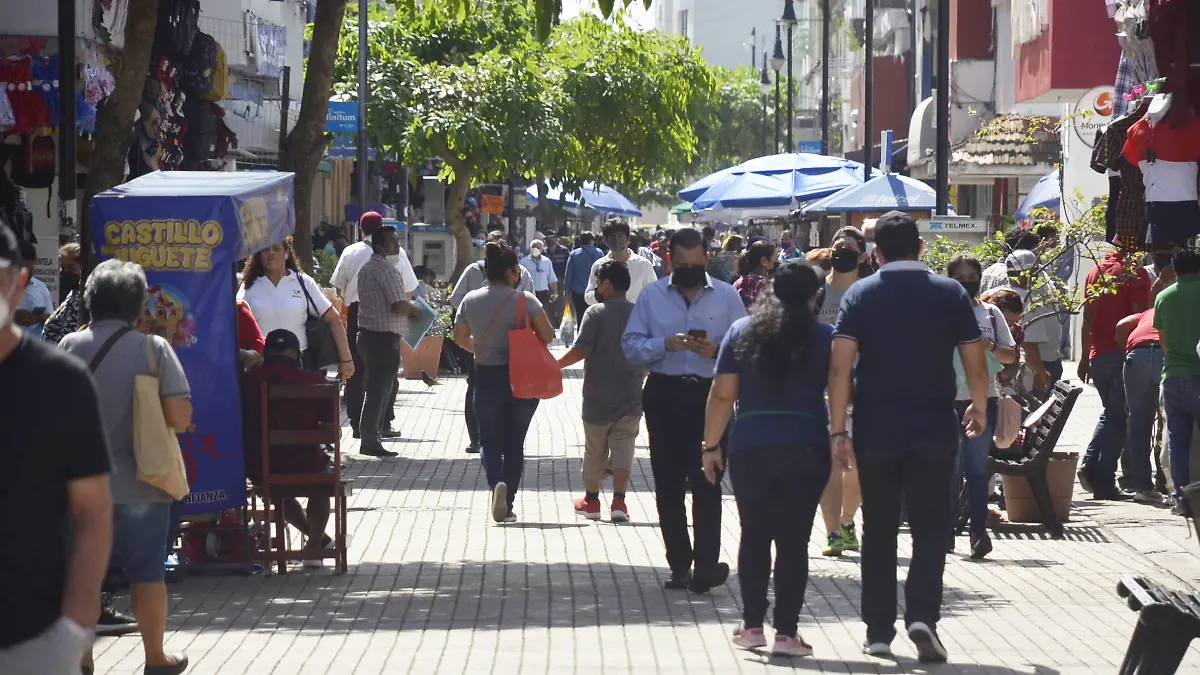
[322,350]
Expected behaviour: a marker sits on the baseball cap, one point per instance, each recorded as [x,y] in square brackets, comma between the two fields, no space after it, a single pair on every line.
[1020,261]
[281,340]
[369,222]
[10,249]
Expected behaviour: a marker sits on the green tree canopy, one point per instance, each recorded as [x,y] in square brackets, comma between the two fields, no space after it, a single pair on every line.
[598,100]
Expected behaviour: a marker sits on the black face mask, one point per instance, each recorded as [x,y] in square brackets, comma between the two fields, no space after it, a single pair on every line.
[68,281]
[844,260]
[687,277]
[971,286]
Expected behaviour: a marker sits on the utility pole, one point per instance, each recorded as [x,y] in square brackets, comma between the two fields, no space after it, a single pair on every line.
[364,160]
[868,90]
[825,20]
[943,108]
[67,76]
[789,20]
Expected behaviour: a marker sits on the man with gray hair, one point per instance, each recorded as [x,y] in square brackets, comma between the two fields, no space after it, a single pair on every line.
[117,354]
[58,484]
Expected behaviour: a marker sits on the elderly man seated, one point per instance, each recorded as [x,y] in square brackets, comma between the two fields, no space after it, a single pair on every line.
[281,365]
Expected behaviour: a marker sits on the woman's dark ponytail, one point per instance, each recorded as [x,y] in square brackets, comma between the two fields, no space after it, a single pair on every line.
[498,260]
[782,325]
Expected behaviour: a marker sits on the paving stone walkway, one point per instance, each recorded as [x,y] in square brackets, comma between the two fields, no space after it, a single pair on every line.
[435,587]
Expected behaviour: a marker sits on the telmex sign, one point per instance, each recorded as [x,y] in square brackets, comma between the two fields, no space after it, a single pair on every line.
[948,225]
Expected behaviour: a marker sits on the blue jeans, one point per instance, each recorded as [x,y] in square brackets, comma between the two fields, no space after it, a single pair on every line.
[973,467]
[1104,452]
[139,537]
[1181,400]
[1142,374]
[503,422]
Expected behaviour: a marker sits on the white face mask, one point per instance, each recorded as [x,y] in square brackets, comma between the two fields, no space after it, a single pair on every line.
[537,253]
[394,259]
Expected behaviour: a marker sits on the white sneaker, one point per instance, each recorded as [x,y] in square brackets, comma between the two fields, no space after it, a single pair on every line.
[929,647]
[1148,497]
[500,502]
[882,649]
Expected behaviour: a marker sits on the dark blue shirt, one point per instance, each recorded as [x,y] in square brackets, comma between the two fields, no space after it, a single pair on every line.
[579,269]
[767,415]
[908,322]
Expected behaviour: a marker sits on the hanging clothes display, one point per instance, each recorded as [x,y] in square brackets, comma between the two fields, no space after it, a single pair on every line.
[1126,214]
[29,109]
[1167,157]
[1172,27]
[45,83]
[1134,35]
[7,119]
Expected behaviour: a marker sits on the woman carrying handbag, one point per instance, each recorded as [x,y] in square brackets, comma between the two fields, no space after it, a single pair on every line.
[507,330]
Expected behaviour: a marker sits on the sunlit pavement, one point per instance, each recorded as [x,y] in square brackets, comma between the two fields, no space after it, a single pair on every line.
[435,587]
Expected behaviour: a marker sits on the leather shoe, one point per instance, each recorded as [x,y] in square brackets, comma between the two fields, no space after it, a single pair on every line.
[473,449]
[1112,494]
[703,583]
[389,433]
[376,451]
[178,665]
[678,581]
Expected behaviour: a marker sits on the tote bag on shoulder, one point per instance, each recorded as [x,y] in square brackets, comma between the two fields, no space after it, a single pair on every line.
[155,445]
[532,369]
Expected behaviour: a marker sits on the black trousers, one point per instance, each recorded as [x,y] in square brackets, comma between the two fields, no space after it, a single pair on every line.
[354,385]
[674,408]
[578,306]
[381,360]
[777,491]
[920,477]
[468,363]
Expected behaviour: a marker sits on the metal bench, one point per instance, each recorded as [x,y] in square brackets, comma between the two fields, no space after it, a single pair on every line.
[1168,621]
[1041,430]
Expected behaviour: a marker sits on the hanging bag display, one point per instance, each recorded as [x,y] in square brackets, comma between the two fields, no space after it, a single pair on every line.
[155,445]
[1008,411]
[322,350]
[532,370]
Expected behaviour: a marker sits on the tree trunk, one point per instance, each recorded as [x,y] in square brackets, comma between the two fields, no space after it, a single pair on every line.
[464,174]
[114,119]
[306,142]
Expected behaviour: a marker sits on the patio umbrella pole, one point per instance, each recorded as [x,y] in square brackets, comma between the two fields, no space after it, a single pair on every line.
[868,90]
[943,107]
[825,77]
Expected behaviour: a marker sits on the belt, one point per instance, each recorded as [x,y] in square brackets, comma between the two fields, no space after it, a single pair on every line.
[1146,345]
[689,380]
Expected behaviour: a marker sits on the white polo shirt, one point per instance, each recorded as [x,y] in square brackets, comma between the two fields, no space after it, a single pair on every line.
[284,306]
[354,256]
[641,275]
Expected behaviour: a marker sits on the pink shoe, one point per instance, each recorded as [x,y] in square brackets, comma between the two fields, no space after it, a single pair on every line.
[786,645]
[749,638]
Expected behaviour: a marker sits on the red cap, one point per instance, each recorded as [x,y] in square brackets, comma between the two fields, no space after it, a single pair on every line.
[369,222]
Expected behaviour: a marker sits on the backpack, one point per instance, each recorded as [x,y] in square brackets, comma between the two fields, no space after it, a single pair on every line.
[33,166]
[200,140]
[200,66]
[219,89]
[178,23]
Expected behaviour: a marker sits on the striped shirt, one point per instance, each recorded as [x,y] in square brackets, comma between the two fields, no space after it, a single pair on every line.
[380,286]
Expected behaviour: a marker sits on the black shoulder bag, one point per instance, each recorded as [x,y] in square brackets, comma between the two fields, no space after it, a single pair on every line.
[322,350]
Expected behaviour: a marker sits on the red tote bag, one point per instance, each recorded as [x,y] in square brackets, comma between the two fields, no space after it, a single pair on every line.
[532,369]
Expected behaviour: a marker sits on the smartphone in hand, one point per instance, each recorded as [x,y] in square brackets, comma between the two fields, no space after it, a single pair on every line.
[697,333]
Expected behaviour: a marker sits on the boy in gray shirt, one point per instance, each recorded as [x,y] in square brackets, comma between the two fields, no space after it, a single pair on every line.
[612,392]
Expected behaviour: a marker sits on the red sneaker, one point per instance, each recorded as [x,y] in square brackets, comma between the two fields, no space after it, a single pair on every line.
[588,508]
[620,512]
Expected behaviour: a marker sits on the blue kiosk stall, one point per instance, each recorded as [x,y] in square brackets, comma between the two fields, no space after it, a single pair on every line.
[187,229]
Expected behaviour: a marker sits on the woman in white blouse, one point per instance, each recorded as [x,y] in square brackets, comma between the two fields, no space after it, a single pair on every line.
[274,288]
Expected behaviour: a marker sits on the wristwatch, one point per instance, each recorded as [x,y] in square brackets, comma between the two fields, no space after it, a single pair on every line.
[714,448]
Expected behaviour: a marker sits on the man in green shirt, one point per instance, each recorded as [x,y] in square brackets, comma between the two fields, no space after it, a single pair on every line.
[1177,319]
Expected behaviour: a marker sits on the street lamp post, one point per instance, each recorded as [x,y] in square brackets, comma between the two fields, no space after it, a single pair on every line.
[868,89]
[364,159]
[764,86]
[777,62]
[789,20]
[943,107]
[825,77]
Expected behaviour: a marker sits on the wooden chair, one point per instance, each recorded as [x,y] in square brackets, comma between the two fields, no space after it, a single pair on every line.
[1041,430]
[275,546]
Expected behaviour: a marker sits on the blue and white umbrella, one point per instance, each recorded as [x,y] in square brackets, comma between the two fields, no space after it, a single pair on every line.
[757,195]
[790,162]
[600,198]
[881,193]
[1046,193]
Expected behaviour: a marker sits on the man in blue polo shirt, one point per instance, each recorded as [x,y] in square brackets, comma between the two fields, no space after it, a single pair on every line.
[904,325]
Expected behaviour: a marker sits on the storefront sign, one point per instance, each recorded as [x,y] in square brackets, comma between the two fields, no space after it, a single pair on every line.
[952,225]
[1092,113]
[342,117]
[813,147]
[345,146]
[493,204]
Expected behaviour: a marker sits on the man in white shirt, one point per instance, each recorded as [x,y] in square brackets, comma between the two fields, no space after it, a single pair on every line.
[541,270]
[641,271]
[345,280]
